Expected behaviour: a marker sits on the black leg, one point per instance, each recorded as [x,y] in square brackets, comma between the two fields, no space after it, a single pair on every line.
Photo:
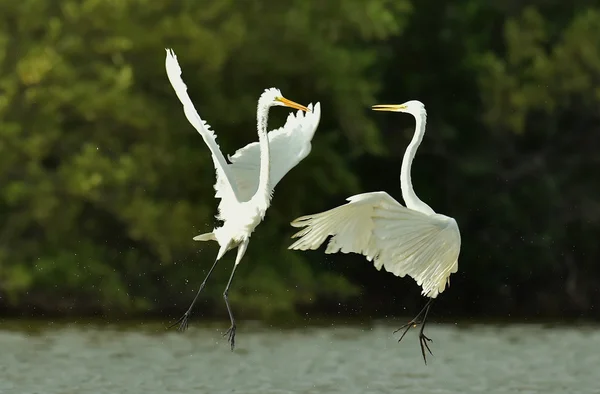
[183,320]
[231,331]
[423,339]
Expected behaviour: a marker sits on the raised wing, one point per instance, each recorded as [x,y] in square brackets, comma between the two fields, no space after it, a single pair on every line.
[288,146]
[404,241]
[225,180]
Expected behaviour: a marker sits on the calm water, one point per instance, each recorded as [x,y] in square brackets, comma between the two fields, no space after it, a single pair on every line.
[83,359]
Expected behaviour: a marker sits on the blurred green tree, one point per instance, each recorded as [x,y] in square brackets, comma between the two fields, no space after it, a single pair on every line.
[512,98]
[541,105]
[103,183]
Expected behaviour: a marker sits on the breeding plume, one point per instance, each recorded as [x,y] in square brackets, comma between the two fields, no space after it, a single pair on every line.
[411,240]
[245,185]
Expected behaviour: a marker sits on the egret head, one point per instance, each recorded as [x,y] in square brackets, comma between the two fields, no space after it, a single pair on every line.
[272,97]
[414,107]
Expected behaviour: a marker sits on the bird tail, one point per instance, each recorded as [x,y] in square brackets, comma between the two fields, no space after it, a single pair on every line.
[205,237]
[225,244]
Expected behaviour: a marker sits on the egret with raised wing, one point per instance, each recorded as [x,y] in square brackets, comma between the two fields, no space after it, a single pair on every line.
[245,184]
[411,240]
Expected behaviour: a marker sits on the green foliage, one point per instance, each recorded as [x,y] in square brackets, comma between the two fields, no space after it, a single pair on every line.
[103,182]
[541,104]
[512,99]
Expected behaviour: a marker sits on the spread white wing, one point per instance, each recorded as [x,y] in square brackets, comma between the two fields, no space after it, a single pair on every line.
[405,242]
[238,181]
[225,179]
[288,146]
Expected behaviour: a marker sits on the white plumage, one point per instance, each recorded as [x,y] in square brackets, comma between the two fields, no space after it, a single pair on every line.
[411,240]
[245,186]
[288,146]
[403,241]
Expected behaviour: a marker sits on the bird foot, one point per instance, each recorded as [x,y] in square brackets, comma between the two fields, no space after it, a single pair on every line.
[231,336]
[182,322]
[411,324]
[423,339]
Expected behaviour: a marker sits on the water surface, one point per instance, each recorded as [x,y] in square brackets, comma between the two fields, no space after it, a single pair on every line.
[365,359]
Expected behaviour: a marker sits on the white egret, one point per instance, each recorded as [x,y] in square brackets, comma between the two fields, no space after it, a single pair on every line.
[245,185]
[411,240]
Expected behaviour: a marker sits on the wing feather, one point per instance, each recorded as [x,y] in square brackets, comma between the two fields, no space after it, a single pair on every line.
[425,247]
[405,242]
[288,146]
[350,226]
[225,180]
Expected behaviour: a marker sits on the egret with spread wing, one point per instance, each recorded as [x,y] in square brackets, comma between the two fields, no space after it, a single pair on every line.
[245,185]
[411,240]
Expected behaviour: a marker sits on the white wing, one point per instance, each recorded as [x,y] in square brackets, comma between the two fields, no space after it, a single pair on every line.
[288,146]
[351,226]
[426,247]
[225,180]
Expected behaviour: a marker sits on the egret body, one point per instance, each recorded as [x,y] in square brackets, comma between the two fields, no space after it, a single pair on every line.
[245,185]
[411,240]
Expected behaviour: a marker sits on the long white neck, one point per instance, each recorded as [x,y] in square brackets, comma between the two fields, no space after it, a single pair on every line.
[263,192]
[408,194]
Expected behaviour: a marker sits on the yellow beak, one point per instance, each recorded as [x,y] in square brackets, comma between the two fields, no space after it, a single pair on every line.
[388,107]
[292,104]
